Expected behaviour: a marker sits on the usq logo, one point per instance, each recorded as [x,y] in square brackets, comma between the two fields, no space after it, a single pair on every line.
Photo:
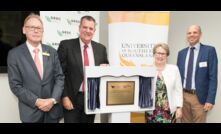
[71,21]
[53,18]
[63,32]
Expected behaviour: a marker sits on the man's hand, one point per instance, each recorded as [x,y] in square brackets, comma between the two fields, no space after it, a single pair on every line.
[44,104]
[207,107]
[104,65]
[67,103]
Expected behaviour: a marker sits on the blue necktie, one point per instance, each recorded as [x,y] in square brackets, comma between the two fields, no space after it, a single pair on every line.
[190,69]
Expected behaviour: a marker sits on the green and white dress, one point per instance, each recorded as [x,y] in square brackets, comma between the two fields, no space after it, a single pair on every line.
[161,113]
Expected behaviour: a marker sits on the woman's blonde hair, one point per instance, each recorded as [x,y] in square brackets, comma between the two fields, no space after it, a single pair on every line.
[162,45]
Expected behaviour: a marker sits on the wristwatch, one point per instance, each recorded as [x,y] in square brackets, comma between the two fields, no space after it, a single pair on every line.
[54,101]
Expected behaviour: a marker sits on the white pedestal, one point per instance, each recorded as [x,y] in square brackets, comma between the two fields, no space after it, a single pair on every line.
[119,112]
[123,117]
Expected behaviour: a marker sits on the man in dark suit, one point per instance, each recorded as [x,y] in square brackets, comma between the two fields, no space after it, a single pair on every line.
[74,54]
[198,68]
[35,76]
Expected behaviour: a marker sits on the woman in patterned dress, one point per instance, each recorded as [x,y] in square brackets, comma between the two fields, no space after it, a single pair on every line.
[168,93]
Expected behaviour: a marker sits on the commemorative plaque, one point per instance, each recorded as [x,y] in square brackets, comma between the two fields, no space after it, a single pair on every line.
[120,92]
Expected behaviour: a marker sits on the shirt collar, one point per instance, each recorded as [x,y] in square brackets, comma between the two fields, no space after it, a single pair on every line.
[31,48]
[197,46]
[82,44]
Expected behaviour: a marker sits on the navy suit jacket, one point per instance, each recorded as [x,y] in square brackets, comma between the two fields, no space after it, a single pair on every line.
[206,76]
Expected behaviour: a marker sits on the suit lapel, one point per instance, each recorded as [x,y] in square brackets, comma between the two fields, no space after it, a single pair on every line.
[30,60]
[199,57]
[95,54]
[77,53]
[184,59]
[45,60]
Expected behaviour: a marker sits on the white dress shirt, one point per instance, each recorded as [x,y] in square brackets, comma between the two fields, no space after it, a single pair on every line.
[90,56]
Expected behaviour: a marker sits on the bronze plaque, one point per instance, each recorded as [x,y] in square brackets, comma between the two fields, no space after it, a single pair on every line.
[120,92]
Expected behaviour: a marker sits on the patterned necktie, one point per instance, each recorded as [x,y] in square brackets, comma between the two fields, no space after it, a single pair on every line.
[86,62]
[37,62]
[190,69]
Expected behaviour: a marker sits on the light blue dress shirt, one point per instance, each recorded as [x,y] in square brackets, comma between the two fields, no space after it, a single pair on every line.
[196,53]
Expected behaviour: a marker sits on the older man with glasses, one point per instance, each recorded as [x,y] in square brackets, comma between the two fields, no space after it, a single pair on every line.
[35,76]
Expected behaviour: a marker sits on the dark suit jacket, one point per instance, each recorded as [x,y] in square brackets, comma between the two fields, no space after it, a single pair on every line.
[26,84]
[206,76]
[69,52]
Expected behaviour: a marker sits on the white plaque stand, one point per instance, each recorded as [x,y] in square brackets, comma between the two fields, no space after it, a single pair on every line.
[118,113]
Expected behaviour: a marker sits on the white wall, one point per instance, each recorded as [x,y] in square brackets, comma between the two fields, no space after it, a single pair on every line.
[8,102]
[210,23]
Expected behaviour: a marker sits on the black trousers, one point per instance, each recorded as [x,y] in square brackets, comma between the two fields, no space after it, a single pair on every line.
[77,115]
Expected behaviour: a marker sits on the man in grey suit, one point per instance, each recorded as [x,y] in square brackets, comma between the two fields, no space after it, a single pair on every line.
[74,54]
[35,76]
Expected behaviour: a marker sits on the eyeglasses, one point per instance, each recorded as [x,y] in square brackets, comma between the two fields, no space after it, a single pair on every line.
[162,54]
[33,28]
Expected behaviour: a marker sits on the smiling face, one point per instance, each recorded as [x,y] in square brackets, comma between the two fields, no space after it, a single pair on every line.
[193,35]
[33,29]
[160,56]
[87,30]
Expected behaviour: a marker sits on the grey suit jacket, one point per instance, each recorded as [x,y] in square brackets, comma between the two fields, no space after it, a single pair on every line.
[26,84]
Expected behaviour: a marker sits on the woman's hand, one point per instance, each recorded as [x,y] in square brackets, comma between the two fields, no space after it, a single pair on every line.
[179,113]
